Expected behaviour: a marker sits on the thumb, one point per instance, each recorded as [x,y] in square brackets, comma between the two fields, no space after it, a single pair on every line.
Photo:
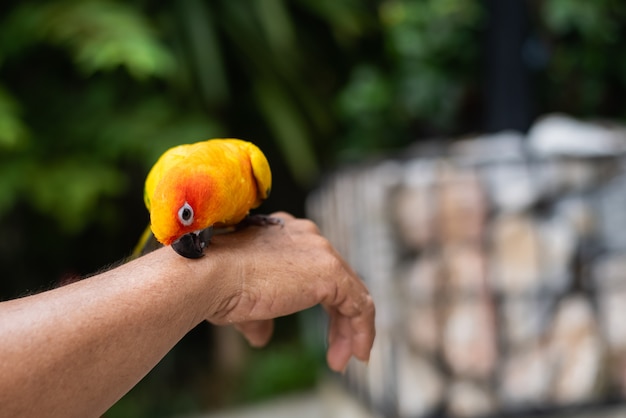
[258,333]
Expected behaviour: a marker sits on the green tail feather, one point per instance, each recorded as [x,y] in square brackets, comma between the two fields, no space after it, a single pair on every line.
[147,243]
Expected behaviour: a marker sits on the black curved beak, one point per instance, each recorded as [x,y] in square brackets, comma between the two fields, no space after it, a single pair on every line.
[192,245]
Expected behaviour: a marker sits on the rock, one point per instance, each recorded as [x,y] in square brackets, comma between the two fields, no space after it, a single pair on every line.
[557,247]
[469,340]
[469,399]
[612,214]
[510,187]
[576,348]
[419,297]
[504,146]
[532,256]
[414,210]
[579,214]
[420,387]
[524,320]
[525,379]
[377,379]
[465,270]
[560,135]
[564,368]
[422,327]
[556,177]
[515,255]
[461,206]
[610,284]
[576,175]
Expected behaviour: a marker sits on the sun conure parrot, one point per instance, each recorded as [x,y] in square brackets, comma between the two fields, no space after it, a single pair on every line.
[193,188]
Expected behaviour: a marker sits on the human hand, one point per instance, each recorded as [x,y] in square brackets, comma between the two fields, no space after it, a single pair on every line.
[287,269]
[132,315]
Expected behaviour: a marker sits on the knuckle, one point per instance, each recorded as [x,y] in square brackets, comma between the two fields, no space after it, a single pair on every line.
[307,225]
[333,264]
[368,306]
[282,215]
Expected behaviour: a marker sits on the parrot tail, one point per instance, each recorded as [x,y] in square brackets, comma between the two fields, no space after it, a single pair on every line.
[147,243]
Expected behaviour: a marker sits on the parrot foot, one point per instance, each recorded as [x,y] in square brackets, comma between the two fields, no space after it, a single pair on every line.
[259,220]
[192,245]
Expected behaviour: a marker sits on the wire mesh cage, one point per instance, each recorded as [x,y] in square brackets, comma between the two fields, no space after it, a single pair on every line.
[498,269]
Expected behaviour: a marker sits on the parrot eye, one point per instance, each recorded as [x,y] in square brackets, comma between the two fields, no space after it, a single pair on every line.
[185,214]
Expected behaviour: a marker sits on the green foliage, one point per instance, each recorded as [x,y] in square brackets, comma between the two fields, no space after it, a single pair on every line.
[585,75]
[13,131]
[69,190]
[435,50]
[349,20]
[64,158]
[290,130]
[278,370]
[113,83]
[592,20]
[429,64]
[99,35]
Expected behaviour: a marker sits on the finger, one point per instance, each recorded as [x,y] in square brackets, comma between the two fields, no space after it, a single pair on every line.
[307,226]
[339,343]
[258,333]
[364,330]
[352,331]
[300,225]
[282,215]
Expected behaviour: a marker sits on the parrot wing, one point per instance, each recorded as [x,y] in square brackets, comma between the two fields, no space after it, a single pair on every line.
[259,164]
[260,170]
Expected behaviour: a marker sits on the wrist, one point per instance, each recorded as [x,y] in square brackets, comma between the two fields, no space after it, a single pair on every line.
[208,286]
[185,283]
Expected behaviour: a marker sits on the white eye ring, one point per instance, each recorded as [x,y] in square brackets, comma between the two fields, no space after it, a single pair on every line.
[185,214]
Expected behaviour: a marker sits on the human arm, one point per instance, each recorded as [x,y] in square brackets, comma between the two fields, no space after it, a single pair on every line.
[75,350]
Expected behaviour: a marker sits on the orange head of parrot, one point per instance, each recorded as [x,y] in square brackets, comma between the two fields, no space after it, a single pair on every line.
[180,210]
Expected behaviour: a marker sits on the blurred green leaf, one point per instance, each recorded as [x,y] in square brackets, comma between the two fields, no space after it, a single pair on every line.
[276,25]
[583,72]
[348,19]
[368,91]
[107,34]
[12,181]
[205,51]
[100,34]
[591,19]
[13,131]
[69,190]
[289,130]
[427,68]
[146,142]
[278,370]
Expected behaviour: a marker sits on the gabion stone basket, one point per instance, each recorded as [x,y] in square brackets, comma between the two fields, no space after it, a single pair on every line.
[498,268]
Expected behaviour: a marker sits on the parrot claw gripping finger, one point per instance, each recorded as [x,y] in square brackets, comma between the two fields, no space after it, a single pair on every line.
[260,220]
[249,220]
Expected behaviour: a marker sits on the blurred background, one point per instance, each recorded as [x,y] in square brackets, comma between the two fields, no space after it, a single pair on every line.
[353,102]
